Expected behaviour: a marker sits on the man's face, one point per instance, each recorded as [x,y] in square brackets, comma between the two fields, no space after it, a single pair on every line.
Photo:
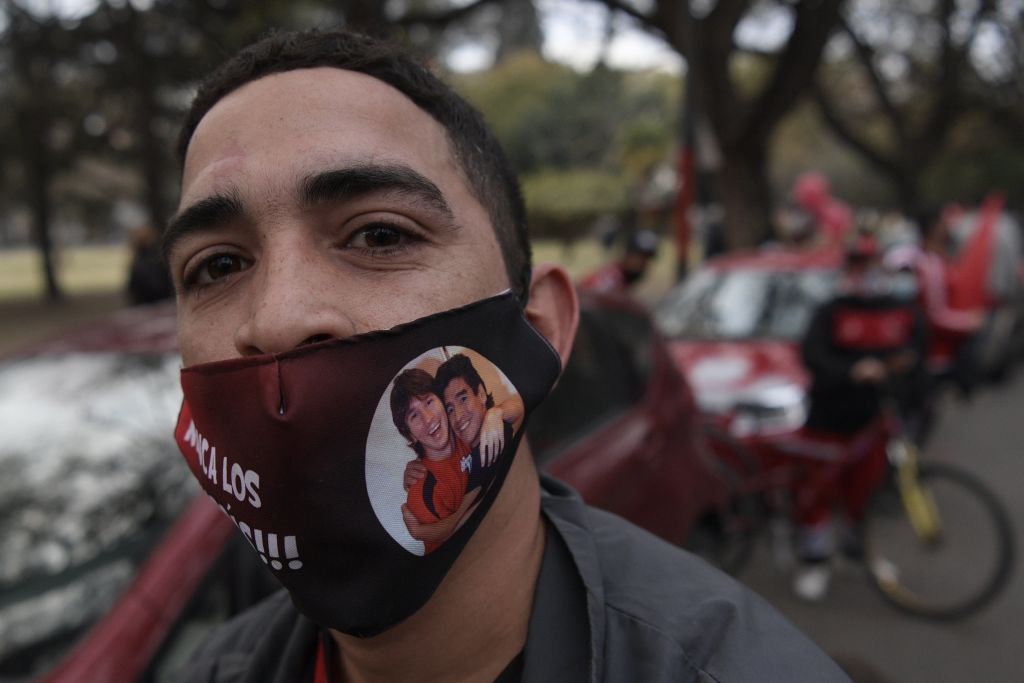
[321,203]
[466,410]
[428,424]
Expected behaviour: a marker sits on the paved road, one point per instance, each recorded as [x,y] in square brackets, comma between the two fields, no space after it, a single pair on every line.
[877,643]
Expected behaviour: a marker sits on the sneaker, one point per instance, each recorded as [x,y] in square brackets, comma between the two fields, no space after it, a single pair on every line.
[811,582]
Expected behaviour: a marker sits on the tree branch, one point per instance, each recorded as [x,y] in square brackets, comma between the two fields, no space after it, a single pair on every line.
[650,21]
[713,39]
[845,133]
[949,102]
[794,71]
[866,56]
[442,18]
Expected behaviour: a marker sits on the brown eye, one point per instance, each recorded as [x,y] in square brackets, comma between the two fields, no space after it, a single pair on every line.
[216,267]
[221,265]
[379,236]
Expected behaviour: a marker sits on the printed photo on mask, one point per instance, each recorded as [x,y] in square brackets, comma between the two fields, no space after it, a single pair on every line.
[437,437]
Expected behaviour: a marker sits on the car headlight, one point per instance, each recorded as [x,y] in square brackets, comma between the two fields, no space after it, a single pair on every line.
[771,406]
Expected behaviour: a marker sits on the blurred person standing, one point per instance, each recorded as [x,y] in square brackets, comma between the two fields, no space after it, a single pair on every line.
[867,342]
[833,219]
[951,330]
[149,280]
[621,275]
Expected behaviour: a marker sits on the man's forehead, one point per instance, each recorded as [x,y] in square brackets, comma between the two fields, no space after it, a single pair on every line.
[303,104]
[457,384]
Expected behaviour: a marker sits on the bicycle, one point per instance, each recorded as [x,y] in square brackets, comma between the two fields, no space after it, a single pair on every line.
[920,522]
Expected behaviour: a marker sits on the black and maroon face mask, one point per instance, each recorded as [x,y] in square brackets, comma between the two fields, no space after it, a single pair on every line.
[307,452]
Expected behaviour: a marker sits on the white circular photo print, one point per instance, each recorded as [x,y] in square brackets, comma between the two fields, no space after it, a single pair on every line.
[441,431]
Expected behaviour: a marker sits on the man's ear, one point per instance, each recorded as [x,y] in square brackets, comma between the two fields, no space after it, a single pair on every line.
[553,307]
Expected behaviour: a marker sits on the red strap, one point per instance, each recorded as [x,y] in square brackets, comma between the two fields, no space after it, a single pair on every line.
[320,670]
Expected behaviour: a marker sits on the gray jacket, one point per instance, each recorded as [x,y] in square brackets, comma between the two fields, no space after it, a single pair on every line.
[613,603]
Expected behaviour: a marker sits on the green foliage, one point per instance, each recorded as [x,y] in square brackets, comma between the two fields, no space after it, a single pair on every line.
[582,142]
[978,158]
[802,142]
[564,204]
[522,99]
[550,117]
[642,145]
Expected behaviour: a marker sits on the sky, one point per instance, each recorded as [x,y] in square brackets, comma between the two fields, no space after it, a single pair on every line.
[573,34]
[573,31]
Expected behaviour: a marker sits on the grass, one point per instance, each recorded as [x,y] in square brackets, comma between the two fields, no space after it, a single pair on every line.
[93,280]
[80,270]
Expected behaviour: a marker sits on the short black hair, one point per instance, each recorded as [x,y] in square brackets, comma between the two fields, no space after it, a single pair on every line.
[459,365]
[410,384]
[486,169]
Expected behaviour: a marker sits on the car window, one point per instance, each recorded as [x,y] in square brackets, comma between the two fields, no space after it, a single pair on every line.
[606,374]
[89,481]
[754,303]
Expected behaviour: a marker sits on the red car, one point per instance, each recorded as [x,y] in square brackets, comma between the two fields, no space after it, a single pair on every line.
[622,427]
[112,568]
[735,327]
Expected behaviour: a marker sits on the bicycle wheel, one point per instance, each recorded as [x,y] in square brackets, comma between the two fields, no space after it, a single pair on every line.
[955,569]
[725,536]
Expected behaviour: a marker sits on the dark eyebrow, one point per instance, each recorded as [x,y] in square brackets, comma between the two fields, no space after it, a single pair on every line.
[356,181]
[206,214]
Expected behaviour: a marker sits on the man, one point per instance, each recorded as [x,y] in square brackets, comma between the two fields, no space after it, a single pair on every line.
[955,332]
[419,414]
[870,340]
[619,276]
[148,280]
[477,422]
[332,187]
[869,334]
[485,427]
[470,406]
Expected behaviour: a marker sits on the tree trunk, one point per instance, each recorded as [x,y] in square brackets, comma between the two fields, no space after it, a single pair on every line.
[40,179]
[746,198]
[151,157]
[907,188]
[367,16]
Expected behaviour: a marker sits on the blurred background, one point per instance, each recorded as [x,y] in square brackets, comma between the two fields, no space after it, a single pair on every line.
[707,136]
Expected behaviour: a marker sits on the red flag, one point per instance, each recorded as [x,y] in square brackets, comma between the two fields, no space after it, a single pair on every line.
[969,275]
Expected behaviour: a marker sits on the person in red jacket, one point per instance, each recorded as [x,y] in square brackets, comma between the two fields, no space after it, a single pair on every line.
[951,329]
[618,276]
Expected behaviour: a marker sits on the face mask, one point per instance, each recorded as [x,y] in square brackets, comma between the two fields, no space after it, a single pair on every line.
[631,277]
[303,451]
[867,283]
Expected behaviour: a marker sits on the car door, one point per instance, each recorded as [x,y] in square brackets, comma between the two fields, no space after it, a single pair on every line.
[619,428]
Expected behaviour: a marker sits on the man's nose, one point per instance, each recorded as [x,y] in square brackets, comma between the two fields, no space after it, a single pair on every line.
[295,300]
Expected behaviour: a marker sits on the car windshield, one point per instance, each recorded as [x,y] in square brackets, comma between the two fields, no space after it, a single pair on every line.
[752,303]
[89,480]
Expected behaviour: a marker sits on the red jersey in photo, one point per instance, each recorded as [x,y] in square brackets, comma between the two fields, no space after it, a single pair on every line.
[440,493]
